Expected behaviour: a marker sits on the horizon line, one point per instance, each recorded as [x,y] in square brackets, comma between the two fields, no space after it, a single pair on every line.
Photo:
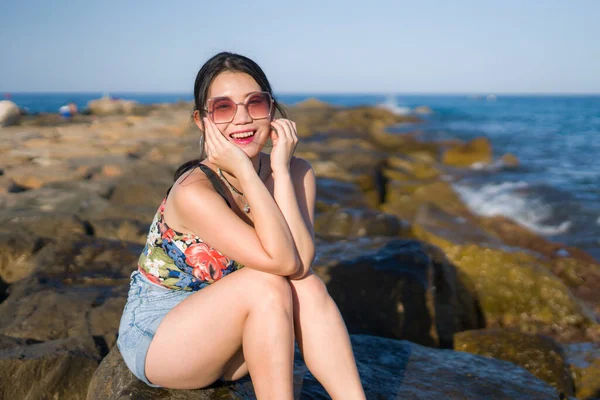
[302,93]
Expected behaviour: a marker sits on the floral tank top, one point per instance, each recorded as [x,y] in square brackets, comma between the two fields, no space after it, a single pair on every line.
[182,261]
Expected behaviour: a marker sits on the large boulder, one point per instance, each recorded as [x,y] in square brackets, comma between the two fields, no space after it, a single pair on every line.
[400,291]
[515,289]
[9,113]
[389,369]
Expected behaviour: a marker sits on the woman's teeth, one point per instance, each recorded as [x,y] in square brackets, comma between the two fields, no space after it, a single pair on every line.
[242,135]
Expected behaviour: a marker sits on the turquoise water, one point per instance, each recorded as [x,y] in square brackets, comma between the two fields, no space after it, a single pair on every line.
[555,191]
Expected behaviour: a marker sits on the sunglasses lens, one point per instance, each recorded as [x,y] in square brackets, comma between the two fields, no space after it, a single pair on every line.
[223,110]
[259,105]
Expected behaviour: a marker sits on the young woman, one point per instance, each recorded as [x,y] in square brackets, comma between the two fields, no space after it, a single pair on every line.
[224,284]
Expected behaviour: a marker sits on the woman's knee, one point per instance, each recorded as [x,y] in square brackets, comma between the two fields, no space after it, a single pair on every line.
[271,290]
[311,288]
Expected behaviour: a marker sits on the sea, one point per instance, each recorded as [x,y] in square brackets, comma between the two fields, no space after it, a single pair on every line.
[554,191]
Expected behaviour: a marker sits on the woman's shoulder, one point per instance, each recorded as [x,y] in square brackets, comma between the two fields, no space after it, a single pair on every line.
[301,168]
[191,188]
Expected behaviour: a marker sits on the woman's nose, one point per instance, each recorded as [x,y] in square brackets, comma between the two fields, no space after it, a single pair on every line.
[241,115]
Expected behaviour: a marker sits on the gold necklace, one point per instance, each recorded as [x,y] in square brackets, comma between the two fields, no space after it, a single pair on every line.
[246,208]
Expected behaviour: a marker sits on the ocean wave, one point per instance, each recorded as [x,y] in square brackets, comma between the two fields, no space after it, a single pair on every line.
[512,200]
[392,105]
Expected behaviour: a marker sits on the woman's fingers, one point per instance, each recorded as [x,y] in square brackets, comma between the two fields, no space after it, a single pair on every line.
[283,129]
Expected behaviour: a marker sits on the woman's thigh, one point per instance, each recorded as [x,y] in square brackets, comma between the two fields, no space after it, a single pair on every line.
[200,339]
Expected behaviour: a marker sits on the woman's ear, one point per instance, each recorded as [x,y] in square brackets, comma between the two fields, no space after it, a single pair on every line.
[198,120]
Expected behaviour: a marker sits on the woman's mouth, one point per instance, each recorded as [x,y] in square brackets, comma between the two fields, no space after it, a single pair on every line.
[243,137]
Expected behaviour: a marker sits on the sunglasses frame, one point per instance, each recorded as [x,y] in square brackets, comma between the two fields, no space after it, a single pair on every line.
[244,103]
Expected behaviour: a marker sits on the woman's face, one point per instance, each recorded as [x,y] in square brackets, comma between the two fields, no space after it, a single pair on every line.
[237,86]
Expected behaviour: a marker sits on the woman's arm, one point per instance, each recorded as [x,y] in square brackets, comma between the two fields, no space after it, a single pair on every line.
[269,246]
[295,193]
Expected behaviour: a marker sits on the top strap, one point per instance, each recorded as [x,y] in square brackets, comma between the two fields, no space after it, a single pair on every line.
[214,179]
[216,182]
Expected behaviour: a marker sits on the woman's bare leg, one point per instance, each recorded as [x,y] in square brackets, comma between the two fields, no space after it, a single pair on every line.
[323,339]
[200,339]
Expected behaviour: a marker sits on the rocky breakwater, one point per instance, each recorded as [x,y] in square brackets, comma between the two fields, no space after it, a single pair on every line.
[416,275]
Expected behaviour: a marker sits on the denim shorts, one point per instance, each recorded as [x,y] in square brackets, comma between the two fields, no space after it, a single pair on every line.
[147,304]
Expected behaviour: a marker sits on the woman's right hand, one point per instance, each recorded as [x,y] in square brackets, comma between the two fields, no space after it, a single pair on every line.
[221,152]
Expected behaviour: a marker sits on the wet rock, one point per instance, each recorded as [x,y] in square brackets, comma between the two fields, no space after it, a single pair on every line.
[60,369]
[478,150]
[538,354]
[400,292]
[389,369]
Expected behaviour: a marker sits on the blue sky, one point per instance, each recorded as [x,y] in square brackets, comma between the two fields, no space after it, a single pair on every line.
[304,47]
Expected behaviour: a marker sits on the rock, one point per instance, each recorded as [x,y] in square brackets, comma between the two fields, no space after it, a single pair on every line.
[60,369]
[425,110]
[17,251]
[538,354]
[112,170]
[405,198]
[389,369]
[584,359]
[413,167]
[434,225]
[349,222]
[331,170]
[515,290]
[107,106]
[391,293]
[312,103]
[334,193]
[478,150]
[7,342]
[9,113]
[125,229]
[50,203]
[510,160]
[33,177]
[79,288]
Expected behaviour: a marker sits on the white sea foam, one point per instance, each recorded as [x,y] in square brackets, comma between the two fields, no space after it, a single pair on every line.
[508,199]
[392,105]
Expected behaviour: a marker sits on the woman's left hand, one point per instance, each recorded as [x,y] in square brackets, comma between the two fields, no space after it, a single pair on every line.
[285,139]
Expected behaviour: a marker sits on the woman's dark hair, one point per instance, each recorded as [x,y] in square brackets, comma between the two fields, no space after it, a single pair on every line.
[222,62]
